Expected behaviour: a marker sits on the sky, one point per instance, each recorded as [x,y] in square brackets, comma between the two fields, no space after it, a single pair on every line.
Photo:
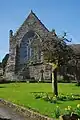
[61,15]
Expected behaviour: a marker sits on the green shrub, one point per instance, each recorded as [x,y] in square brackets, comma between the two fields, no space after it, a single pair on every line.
[61,97]
[37,96]
[77,110]
[53,99]
[45,97]
[68,110]
[57,112]
[78,84]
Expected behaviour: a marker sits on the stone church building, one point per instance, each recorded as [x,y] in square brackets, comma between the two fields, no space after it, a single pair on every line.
[26,60]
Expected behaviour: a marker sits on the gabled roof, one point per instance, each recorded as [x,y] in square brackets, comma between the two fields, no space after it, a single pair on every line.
[31,16]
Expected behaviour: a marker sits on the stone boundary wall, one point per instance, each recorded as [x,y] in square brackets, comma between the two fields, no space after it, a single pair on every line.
[24,111]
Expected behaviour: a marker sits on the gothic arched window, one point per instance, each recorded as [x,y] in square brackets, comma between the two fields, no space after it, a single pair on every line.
[25,48]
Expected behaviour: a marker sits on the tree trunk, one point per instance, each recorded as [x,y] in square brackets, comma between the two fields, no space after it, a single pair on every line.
[55,82]
[77,72]
[77,77]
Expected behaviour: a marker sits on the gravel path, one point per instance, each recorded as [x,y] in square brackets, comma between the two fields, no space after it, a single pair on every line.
[10,114]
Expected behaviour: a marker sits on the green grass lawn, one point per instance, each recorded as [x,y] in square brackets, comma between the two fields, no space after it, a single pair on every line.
[21,93]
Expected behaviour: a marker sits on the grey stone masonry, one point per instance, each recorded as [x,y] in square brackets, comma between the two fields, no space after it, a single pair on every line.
[25,48]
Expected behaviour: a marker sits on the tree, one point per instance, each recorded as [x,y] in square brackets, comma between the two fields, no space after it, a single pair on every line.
[76,65]
[0,64]
[4,62]
[58,53]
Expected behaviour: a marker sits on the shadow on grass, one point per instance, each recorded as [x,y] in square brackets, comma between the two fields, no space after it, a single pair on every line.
[59,102]
[2,86]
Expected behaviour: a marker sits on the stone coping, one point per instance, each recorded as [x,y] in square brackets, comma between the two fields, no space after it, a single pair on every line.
[25,111]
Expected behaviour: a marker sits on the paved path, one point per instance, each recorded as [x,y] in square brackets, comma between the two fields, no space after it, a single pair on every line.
[10,113]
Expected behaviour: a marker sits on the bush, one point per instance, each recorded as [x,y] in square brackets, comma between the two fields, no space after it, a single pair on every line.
[78,84]
[69,113]
[68,97]
[45,97]
[68,110]
[57,112]
[77,110]
[37,96]
[3,80]
[54,99]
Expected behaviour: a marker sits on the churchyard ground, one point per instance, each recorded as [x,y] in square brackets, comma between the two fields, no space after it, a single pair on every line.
[23,94]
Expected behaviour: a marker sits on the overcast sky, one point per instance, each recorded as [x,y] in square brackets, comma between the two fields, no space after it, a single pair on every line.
[62,15]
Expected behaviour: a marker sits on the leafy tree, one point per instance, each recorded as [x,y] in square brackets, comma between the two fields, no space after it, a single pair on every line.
[58,53]
[0,64]
[75,63]
[4,61]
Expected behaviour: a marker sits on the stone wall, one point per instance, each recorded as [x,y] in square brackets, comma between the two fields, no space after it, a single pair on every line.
[32,23]
[26,112]
[10,67]
[1,71]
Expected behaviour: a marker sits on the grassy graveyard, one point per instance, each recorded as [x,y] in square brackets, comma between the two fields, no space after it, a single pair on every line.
[24,94]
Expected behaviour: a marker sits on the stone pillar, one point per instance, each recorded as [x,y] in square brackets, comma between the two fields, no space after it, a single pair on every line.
[10,39]
[10,68]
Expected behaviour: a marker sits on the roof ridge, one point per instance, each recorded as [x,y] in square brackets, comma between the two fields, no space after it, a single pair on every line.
[32,13]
